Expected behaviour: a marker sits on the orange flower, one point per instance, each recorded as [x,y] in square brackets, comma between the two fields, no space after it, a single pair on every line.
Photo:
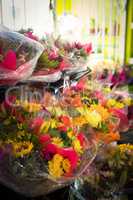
[111,137]
[65,120]
[79,121]
[101,110]
[76,101]
[107,138]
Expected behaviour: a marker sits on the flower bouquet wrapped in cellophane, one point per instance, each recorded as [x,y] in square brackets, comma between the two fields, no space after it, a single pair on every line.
[109,177]
[60,57]
[40,150]
[18,56]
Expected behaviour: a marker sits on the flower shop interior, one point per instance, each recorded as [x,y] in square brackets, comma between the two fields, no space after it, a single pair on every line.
[66,99]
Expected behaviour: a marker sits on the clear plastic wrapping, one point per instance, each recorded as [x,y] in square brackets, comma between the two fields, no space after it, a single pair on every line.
[18,56]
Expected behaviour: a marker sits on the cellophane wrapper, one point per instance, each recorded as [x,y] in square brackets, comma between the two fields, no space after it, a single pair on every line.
[22,46]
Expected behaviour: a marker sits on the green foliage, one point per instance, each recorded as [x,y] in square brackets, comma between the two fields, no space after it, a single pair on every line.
[45,62]
[103,127]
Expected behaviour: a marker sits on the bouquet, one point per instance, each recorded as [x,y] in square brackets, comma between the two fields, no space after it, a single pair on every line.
[18,56]
[60,57]
[40,147]
[112,168]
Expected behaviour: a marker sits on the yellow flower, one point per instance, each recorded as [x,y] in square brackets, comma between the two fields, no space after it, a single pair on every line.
[20,134]
[79,121]
[103,112]
[111,103]
[127,101]
[54,166]
[21,149]
[90,115]
[77,147]
[119,105]
[66,165]
[29,106]
[58,166]
[114,103]
[94,118]
[46,125]
[58,141]
[107,90]
[70,134]
[125,147]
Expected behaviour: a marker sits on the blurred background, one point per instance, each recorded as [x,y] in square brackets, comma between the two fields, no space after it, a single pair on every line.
[108,24]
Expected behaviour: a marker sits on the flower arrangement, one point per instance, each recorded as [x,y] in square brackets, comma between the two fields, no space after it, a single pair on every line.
[112,169]
[60,143]
[61,129]
[62,56]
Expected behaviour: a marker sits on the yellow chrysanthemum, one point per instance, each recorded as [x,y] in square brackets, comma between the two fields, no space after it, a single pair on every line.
[21,149]
[77,147]
[58,141]
[66,165]
[125,147]
[103,112]
[55,166]
[93,118]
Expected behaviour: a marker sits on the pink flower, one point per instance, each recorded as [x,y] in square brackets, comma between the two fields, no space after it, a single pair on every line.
[53,55]
[78,45]
[63,65]
[10,61]
[31,36]
[80,85]
[88,48]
